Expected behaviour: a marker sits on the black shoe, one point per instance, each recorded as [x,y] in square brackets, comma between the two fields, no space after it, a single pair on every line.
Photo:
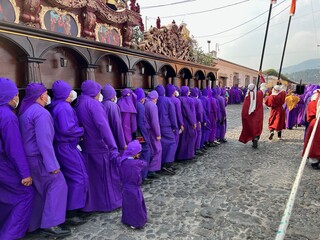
[75,221]
[168,170]
[255,143]
[152,175]
[315,165]
[199,153]
[146,181]
[56,231]
[204,147]
[271,135]
[223,140]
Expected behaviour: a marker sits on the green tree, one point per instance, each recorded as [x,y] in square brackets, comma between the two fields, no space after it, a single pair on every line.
[273,72]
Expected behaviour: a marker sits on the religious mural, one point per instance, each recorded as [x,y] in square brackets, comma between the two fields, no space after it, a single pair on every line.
[7,11]
[108,35]
[60,23]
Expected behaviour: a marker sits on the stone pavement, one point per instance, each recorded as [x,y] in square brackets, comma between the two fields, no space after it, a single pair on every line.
[232,192]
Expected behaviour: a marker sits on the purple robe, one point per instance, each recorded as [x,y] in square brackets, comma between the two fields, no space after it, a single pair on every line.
[291,117]
[214,115]
[168,126]
[114,118]
[15,198]
[153,128]
[187,141]
[301,112]
[128,110]
[199,115]
[66,138]
[134,211]
[170,89]
[222,120]
[146,148]
[37,130]
[100,152]
[206,128]
[113,115]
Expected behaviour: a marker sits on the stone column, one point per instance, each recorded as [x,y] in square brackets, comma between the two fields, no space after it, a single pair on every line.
[128,81]
[33,74]
[203,83]
[174,81]
[154,81]
[88,72]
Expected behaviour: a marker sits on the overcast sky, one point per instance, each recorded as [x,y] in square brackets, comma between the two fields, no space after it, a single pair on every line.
[303,40]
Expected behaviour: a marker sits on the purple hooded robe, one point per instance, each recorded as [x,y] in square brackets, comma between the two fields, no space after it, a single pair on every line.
[127,104]
[37,130]
[170,89]
[66,138]
[100,151]
[134,211]
[222,118]
[141,126]
[168,126]
[153,128]
[214,113]
[15,198]
[206,128]
[199,115]
[113,115]
[186,148]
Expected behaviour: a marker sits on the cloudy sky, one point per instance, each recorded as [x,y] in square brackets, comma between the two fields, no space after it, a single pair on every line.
[213,19]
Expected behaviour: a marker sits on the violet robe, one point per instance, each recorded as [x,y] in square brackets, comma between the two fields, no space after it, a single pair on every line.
[214,115]
[222,118]
[101,154]
[177,105]
[153,128]
[114,118]
[37,130]
[146,148]
[168,126]
[15,198]
[66,138]
[206,128]
[134,211]
[301,112]
[128,113]
[187,141]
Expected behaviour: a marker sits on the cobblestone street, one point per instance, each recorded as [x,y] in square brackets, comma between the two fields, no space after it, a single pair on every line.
[232,192]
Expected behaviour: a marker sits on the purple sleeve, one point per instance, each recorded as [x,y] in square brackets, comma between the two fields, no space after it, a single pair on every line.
[179,113]
[65,122]
[44,133]
[172,116]
[116,126]
[100,121]
[155,126]
[14,148]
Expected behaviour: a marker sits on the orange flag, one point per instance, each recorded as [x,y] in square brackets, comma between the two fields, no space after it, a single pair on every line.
[293,7]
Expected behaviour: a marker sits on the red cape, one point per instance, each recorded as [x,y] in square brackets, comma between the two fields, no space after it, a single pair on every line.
[277,119]
[251,124]
[311,118]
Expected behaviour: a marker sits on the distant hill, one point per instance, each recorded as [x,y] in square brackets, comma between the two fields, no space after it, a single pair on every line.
[307,71]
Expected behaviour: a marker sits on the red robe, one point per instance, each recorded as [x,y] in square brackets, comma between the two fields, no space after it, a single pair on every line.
[252,124]
[311,118]
[277,113]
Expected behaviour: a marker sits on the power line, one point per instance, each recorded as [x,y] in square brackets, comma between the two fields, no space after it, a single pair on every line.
[168,4]
[250,20]
[204,11]
[254,28]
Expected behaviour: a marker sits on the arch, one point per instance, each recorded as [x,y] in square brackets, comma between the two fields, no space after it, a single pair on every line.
[11,65]
[122,59]
[184,75]
[63,62]
[111,69]
[166,74]
[143,74]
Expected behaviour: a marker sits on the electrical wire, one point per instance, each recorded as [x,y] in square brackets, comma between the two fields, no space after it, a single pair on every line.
[253,29]
[250,20]
[168,4]
[204,11]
